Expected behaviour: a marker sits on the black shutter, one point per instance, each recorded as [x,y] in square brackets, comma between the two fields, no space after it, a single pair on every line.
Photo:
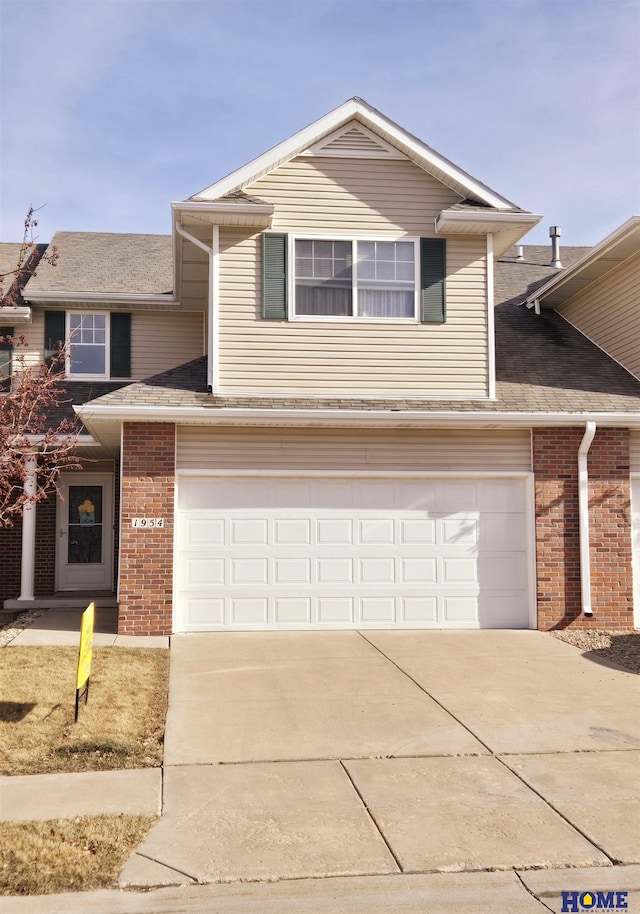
[5,359]
[120,349]
[433,269]
[54,334]
[274,277]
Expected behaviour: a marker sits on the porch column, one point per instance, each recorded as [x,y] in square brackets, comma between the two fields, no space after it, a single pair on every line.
[29,531]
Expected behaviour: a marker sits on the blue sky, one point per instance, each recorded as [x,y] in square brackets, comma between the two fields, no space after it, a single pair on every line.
[113,108]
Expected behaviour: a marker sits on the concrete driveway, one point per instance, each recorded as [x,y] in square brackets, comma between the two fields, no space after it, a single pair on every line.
[304,755]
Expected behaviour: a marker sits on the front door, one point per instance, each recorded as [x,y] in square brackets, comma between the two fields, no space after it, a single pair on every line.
[84,553]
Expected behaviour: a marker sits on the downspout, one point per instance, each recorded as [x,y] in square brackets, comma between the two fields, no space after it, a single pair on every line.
[212,304]
[583,515]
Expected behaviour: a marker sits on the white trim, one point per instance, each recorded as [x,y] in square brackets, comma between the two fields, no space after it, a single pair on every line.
[83,376]
[532,559]
[101,297]
[213,361]
[354,108]
[462,217]
[16,315]
[362,474]
[491,339]
[28,544]
[188,206]
[213,415]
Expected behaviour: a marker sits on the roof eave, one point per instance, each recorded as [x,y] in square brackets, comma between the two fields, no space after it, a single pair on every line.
[506,228]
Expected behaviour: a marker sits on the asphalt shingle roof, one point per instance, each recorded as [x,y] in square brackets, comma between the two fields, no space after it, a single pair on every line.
[104,262]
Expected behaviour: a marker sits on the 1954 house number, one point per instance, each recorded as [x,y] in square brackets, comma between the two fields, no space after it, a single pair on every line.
[148,523]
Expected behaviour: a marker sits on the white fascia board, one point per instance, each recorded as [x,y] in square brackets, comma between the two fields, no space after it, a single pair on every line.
[79,440]
[266,209]
[102,297]
[494,221]
[197,415]
[594,253]
[16,315]
[426,157]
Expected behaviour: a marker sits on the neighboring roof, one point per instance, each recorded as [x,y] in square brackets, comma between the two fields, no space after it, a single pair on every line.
[107,263]
[357,109]
[515,280]
[613,250]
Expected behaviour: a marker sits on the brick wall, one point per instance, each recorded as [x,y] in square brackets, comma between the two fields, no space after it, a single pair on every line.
[10,558]
[555,464]
[146,556]
[45,570]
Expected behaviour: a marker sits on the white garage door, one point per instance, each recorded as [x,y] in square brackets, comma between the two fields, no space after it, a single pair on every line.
[269,552]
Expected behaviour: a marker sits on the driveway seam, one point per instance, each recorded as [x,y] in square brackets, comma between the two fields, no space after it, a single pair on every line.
[531,892]
[530,787]
[428,694]
[371,815]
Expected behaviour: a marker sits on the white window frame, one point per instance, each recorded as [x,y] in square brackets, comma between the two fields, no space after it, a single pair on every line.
[350,318]
[107,347]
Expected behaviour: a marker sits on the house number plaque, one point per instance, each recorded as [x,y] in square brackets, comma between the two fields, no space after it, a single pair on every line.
[148,523]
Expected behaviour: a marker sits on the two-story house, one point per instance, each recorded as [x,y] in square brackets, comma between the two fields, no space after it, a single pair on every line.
[320,404]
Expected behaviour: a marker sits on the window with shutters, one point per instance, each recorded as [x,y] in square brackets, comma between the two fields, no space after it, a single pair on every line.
[98,343]
[361,278]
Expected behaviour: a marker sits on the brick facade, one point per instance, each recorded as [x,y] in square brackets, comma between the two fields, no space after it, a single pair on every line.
[555,464]
[146,556]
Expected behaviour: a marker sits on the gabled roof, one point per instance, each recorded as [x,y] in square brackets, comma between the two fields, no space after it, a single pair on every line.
[392,135]
[617,247]
[106,263]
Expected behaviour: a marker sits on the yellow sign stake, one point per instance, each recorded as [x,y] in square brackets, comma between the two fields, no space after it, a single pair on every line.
[85,655]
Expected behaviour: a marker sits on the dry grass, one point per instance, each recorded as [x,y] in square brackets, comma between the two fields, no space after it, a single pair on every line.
[122,726]
[60,855]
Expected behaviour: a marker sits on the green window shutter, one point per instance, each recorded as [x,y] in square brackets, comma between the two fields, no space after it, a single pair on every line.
[120,349]
[433,269]
[54,334]
[274,277]
[6,350]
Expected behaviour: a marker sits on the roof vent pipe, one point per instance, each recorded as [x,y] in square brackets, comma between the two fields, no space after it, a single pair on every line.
[554,233]
[520,253]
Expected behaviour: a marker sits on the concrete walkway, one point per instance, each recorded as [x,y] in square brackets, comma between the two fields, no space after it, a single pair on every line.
[386,771]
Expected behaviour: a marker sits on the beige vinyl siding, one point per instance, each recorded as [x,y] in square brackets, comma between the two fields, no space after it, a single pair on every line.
[352,357]
[159,340]
[608,312]
[312,193]
[163,341]
[388,450]
[634,452]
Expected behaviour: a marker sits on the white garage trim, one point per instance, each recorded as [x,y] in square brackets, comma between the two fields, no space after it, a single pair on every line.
[180,622]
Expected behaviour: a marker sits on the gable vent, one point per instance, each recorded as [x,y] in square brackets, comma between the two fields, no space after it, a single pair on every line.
[354,141]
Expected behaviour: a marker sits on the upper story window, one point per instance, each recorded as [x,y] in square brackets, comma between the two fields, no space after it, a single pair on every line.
[88,354]
[98,343]
[359,278]
[337,278]
[6,353]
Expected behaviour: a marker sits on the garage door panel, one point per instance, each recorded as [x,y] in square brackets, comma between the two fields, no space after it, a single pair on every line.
[318,552]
